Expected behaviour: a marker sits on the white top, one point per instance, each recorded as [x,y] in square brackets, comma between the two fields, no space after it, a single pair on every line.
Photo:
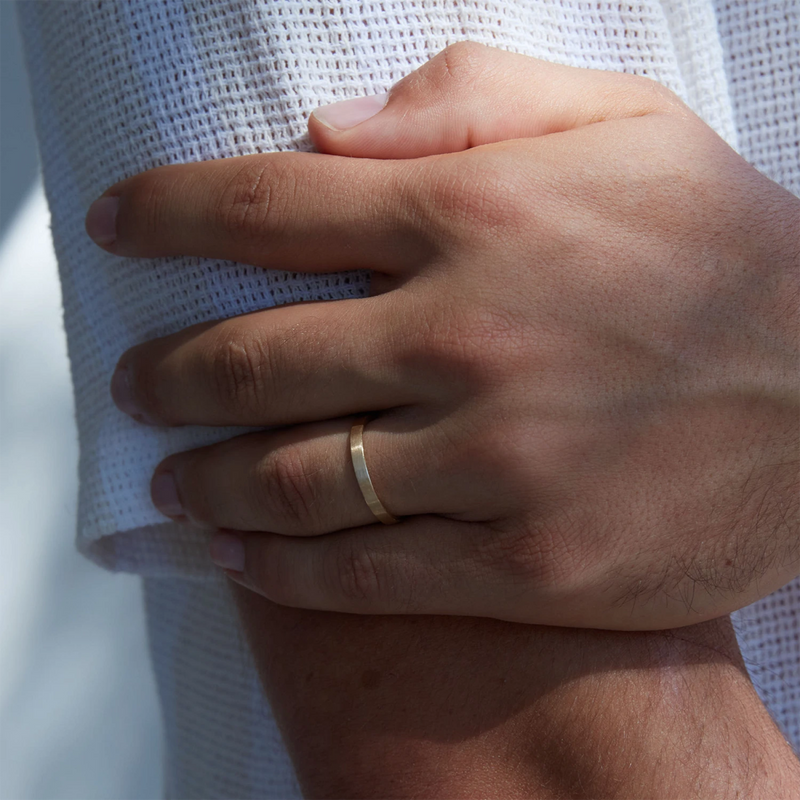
[120,87]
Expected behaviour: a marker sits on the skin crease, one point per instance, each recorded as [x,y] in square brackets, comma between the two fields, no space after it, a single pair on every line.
[603,432]
[451,707]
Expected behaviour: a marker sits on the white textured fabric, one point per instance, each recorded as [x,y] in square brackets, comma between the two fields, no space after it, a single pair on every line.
[124,86]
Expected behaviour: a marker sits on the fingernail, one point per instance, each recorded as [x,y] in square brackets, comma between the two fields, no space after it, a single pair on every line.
[122,395]
[227,551]
[164,491]
[101,220]
[349,113]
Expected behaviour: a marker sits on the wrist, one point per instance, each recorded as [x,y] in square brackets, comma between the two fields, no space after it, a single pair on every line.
[455,707]
[660,715]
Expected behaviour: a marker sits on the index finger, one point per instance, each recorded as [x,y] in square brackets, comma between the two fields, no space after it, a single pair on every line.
[298,211]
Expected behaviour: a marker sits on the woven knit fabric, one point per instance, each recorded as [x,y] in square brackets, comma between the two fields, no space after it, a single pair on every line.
[120,87]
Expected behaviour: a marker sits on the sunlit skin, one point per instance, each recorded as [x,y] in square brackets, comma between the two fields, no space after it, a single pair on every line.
[581,349]
[577,340]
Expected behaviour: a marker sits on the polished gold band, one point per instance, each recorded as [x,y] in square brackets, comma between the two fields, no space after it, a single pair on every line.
[362,473]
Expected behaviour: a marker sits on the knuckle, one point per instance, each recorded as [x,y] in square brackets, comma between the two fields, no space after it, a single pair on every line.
[479,197]
[520,557]
[474,348]
[515,554]
[453,69]
[462,353]
[255,198]
[245,202]
[651,96]
[240,370]
[463,62]
[289,479]
[543,554]
[356,574]
[503,450]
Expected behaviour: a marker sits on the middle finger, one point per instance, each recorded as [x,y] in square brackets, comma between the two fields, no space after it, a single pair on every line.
[299,363]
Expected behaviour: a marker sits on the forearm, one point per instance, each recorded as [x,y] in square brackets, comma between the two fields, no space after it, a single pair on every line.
[454,707]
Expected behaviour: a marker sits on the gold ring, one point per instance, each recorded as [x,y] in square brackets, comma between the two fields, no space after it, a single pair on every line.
[362,473]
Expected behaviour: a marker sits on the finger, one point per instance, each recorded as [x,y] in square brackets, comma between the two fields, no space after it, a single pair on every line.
[423,565]
[427,565]
[416,566]
[470,95]
[300,481]
[294,211]
[299,363]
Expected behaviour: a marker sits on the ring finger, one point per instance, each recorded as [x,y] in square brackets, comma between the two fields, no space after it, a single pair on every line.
[301,481]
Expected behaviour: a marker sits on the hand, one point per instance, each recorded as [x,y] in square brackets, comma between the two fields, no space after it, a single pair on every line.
[581,350]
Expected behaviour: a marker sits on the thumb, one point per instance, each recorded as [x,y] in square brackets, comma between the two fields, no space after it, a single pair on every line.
[470,94]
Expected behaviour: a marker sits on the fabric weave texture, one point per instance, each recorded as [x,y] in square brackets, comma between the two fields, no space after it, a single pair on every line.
[121,86]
